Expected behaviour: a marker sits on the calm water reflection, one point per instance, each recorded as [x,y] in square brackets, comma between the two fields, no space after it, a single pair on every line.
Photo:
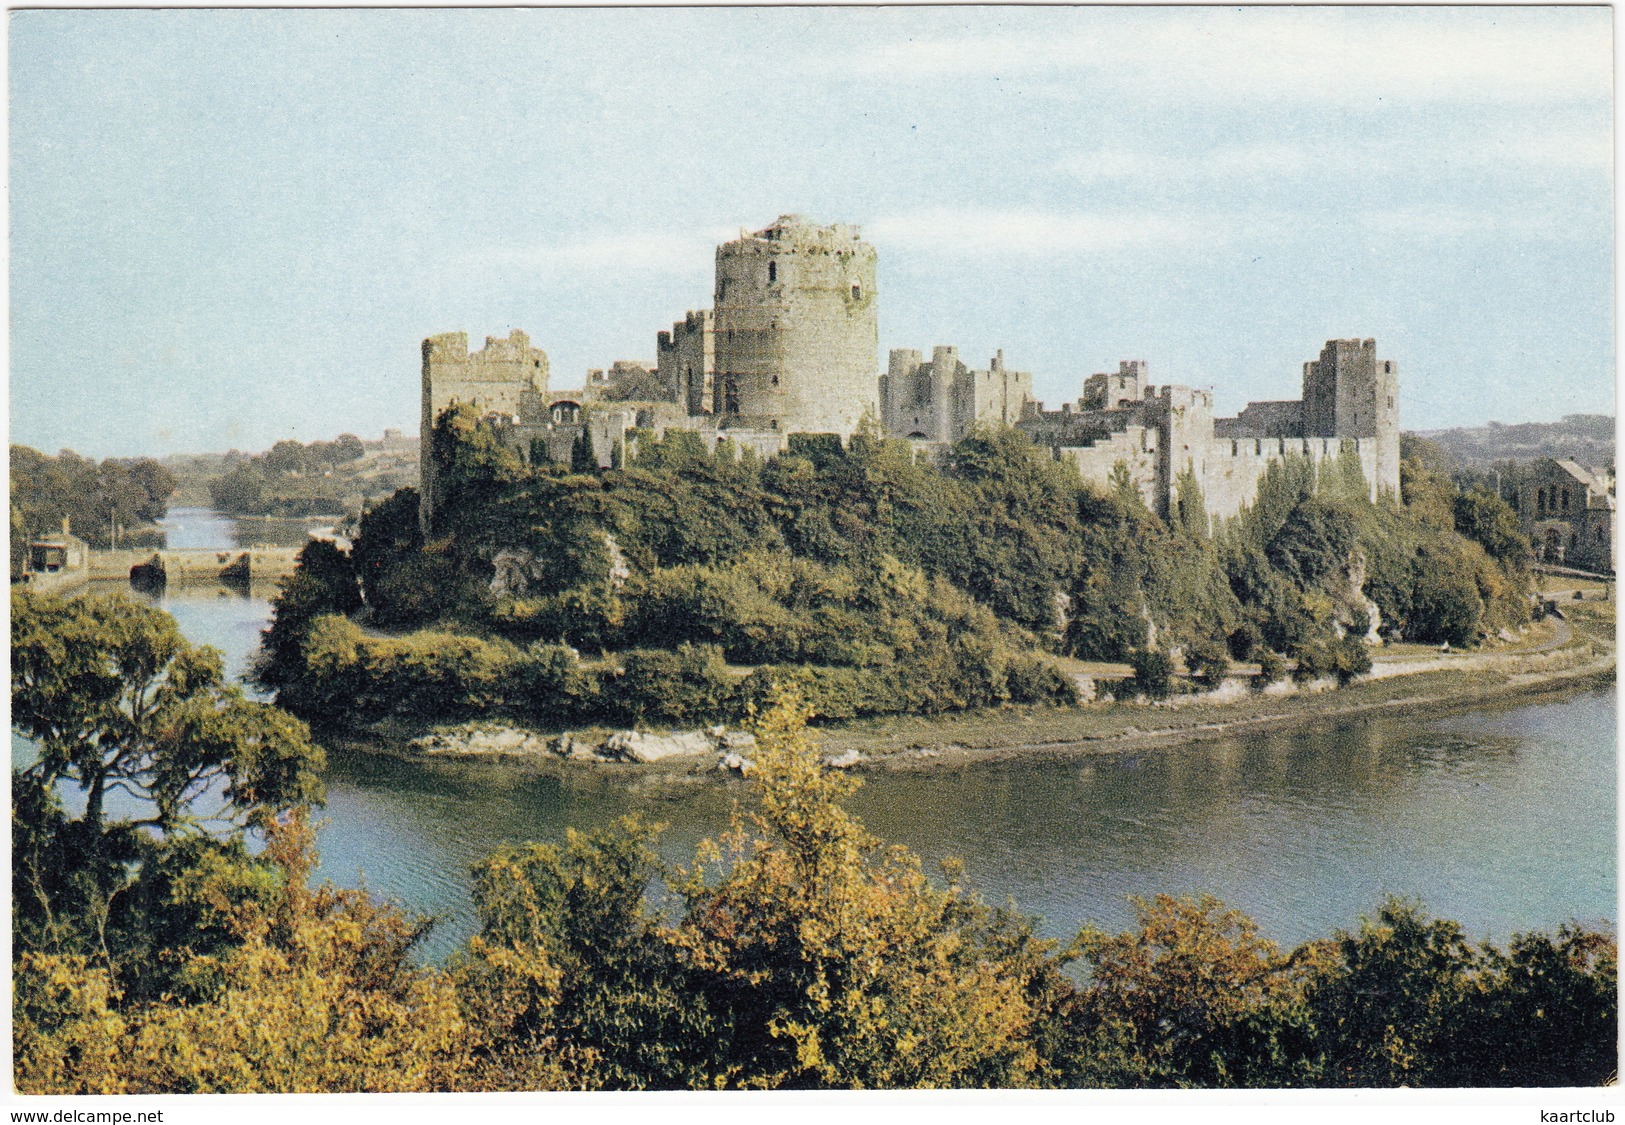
[1504,819]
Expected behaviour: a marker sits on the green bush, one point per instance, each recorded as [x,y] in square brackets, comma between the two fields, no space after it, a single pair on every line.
[1153,673]
[549,686]
[682,688]
[831,694]
[1033,679]
[1209,662]
[1271,667]
[1345,659]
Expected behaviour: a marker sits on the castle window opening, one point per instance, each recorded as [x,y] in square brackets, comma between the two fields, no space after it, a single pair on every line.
[857,291]
[772,272]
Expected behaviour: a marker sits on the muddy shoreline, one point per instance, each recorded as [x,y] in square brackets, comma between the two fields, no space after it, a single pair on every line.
[1159,728]
[1583,657]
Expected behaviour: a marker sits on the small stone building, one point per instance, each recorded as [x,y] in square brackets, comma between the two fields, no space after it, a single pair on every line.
[1568,513]
[50,554]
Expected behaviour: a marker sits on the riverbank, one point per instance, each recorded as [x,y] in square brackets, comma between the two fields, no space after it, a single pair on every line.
[1553,656]
[1122,728]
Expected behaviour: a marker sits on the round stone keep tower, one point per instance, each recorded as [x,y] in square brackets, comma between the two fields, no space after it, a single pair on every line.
[797,339]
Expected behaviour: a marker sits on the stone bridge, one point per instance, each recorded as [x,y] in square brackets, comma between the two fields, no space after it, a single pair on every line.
[199,564]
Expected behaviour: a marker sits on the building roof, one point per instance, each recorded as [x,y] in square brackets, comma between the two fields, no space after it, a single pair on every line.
[1580,474]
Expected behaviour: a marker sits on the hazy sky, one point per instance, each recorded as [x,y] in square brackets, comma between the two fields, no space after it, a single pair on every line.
[231,227]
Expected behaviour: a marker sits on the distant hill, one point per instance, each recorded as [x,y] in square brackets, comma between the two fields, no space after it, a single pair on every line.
[1585,438]
[291,479]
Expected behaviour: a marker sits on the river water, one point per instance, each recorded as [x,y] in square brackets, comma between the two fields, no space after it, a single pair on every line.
[1502,818]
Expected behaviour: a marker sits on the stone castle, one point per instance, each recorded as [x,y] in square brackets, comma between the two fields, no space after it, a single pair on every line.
[791,346]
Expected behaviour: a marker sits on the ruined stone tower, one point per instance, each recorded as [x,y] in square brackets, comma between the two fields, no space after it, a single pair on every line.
[507,377]
[795,333]
[1349,392]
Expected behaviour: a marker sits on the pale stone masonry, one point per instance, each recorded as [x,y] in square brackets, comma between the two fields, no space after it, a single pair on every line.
[791,346]
[1157,434]
[796,331]
[942,399]
[506,377]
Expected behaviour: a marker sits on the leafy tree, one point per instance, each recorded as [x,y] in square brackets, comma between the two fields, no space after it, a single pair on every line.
[115,699]
[1313,544]
[1192,996]
[1385,1008]
[1425,484]
[833,962]
[1445,601]
[102,502]
[1109,610]
[1545,1013]
[582,459]
[1483,516]
[117,702]
[571,964]
[240,490]
[316,993]
[323,582]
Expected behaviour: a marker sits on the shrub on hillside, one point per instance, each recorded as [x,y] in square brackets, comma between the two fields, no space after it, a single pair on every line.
[686,687]
[1153,673]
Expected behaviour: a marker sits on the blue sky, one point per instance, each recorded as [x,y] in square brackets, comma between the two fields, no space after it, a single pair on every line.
[233,227]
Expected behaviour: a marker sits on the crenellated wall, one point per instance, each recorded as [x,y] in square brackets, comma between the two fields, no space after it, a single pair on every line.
[1160,433]
[791,347]
[942,399]
[687,362]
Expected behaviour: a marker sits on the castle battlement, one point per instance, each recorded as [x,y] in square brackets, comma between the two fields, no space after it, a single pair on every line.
[1159,433]
[791,345]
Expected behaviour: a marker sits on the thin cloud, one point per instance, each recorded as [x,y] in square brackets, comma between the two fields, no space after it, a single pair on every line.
[1571,151]
[619,252]
[1331,55]
[972,234]
[1034,233]
[1221,164]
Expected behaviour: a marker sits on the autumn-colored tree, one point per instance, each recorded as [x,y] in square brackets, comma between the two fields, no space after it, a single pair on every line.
[831,961]
[1193,996]
[317,994]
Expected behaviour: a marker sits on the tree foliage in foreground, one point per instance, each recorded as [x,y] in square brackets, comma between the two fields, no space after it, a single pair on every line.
[797,951]
[165,764]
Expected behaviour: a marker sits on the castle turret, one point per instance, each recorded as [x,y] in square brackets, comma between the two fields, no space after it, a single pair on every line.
[796,335]
[1349,392]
